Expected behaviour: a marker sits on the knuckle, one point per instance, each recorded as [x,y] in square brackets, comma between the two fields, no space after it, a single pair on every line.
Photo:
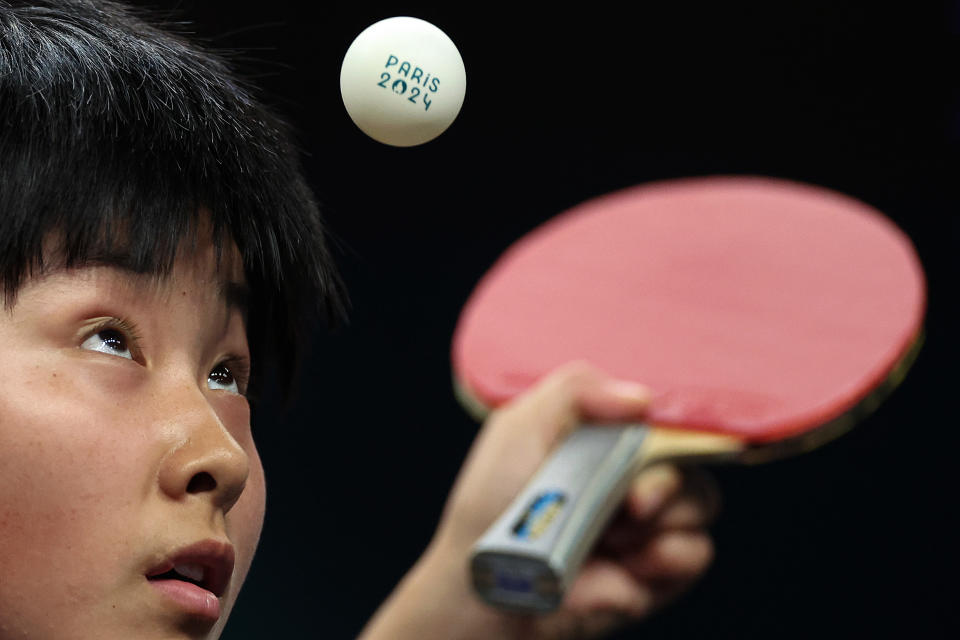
[685,553]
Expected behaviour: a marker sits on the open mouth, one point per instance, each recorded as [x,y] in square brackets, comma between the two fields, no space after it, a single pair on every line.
[194,578]
[193,573]
[207,565]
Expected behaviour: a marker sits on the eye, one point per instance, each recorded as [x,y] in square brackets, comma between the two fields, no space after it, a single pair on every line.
[230,376]
[109,340]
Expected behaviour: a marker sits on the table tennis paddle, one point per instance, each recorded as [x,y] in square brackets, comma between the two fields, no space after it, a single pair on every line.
[767,316]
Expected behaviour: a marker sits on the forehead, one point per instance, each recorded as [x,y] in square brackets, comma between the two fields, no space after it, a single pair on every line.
[215,275]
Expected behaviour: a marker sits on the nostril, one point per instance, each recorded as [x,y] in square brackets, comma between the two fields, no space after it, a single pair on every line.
[201,482]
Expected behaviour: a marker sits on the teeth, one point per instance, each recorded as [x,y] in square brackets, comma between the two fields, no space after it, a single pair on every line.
[192,571]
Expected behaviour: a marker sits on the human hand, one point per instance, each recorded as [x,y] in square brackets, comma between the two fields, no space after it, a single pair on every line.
[655,547]
[652,551]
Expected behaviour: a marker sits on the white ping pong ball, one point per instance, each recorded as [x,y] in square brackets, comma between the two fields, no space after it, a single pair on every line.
[403,81]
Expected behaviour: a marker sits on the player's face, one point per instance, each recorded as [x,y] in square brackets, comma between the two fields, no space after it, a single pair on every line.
[125,455]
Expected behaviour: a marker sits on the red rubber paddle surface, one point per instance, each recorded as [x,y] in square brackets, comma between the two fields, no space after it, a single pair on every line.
[755,307]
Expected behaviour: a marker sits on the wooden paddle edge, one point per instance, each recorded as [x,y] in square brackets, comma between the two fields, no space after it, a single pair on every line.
[843,423]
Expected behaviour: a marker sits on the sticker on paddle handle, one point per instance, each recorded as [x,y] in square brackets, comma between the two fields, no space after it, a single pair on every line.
[528,558]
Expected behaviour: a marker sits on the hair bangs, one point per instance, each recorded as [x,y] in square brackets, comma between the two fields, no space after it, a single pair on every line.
[123,143]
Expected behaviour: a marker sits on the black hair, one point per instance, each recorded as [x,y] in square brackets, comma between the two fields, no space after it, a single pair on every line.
[122,139]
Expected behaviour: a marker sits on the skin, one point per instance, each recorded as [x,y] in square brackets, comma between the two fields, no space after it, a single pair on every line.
[101,434]
[109,440]
[653,551]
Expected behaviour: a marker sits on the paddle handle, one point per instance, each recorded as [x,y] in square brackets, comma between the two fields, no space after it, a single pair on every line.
[530,555]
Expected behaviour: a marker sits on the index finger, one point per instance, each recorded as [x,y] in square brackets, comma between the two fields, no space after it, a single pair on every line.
[574,393]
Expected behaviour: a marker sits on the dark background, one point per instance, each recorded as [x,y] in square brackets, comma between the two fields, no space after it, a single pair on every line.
[856,539]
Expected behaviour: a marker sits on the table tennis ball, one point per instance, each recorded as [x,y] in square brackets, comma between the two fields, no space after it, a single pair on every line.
[402,81]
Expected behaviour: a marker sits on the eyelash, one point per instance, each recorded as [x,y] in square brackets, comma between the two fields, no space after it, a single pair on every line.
[124,326]
[237,366]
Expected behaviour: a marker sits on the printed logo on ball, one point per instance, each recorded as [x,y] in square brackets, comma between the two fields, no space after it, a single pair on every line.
[409,81]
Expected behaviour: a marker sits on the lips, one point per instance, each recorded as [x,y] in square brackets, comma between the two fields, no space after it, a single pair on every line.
[195,577]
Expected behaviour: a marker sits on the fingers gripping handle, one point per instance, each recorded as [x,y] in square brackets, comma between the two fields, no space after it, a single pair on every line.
[531,554]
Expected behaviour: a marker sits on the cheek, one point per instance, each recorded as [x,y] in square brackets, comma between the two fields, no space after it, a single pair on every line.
[69,491]
[61,460]
[244,524]
[245,519]
[56,435]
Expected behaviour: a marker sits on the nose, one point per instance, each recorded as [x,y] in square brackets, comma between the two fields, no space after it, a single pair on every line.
[204,459]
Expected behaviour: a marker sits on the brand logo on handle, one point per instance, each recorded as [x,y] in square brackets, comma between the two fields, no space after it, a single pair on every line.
[536,519]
